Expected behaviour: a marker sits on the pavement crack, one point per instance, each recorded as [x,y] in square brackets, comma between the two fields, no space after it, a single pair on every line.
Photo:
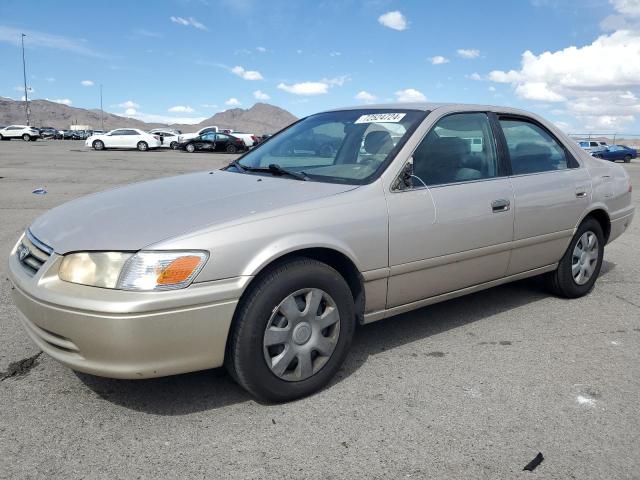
[20,368]
[619,297]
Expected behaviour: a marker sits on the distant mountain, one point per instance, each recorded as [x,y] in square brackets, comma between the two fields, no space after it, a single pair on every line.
[259,119]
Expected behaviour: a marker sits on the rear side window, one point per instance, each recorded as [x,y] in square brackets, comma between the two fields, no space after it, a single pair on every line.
[531,148]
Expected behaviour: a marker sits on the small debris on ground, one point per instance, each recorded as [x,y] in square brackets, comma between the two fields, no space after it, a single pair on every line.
[531,466]
[39,191]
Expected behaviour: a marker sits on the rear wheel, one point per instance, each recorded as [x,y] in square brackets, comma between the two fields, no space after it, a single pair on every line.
[98,145]
[627,158]
[173,145]
[580,266]
[143,146]
[232,149]
[292,331]
[190,148]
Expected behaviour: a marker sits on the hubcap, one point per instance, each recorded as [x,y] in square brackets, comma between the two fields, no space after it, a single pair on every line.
[585,258]
[301,334]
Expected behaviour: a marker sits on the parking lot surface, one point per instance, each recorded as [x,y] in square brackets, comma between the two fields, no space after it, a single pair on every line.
[470,388]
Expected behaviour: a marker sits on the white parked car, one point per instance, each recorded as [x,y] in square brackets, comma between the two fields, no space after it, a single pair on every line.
[249,139]
[124,138]
[25,132]
[188,136]
[168,137]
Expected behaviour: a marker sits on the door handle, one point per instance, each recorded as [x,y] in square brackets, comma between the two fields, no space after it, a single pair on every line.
[581,193]
[500,205]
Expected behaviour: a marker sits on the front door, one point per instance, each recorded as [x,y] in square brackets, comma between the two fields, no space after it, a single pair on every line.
[453,227]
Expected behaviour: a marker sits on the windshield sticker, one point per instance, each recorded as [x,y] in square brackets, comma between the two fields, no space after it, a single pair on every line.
[381,118]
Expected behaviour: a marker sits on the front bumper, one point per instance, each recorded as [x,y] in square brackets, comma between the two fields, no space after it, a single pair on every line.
[122,334]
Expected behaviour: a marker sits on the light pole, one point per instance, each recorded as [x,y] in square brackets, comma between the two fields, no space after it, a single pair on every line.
[24,74]
[101,111]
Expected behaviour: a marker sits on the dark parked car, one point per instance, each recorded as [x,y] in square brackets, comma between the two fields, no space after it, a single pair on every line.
[49,132]
[214,142]
[617,152]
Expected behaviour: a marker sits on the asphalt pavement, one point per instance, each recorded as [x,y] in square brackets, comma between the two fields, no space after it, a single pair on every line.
[471,388]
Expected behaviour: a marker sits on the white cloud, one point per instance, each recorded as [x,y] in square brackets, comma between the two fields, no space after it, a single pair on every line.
[365,96]
[129,104]
[395,20]
[627,7]
[87,83]
[209,105]
[63,101]
[181,109]
[539,91]
[492,88]
[438,60]
[130,111]
[475,76]
[335,54]
[261,49]
[146,33]
[188,22]
[20,88]
[336,81]
[50,79]
[165,119]
[596,80]
[260,95]
[246,74]
[45,40]
[233,102]
[305,88]
[468,53]
[409,95]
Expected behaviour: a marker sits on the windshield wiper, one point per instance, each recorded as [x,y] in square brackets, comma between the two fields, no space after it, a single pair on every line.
[239,166]
[273,168]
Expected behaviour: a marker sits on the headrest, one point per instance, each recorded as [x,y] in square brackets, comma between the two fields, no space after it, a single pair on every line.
[378,142]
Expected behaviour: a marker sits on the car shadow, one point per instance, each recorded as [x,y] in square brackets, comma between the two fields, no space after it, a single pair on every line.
[212,389]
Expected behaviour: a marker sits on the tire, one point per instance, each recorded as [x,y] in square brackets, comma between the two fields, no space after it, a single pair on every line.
[142,146]
[627,158]
[190,148]
[562,281]
[258,311]
[98,145]
[231,149]
[173,145]
[26,137]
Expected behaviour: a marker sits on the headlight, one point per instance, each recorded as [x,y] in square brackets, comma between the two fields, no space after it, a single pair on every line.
[142,271]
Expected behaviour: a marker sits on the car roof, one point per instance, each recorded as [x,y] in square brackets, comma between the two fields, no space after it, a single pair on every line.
[430,106]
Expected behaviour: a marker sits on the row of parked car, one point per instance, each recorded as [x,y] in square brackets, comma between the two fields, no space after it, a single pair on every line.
[206,139]
[209,138]
[600,149]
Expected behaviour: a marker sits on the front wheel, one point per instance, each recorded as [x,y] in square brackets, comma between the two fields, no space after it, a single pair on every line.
[627,158]
[292,331]
[143,146]
[580,266]
[98,145]
[232,149]
[190,148]
[173,145]
[26,137]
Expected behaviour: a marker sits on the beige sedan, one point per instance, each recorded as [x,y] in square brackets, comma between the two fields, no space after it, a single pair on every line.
[347,216]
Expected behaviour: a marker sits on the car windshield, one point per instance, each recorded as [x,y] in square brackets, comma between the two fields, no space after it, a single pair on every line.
[349,146]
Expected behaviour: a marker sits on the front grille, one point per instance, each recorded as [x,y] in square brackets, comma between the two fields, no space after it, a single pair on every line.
[32,253]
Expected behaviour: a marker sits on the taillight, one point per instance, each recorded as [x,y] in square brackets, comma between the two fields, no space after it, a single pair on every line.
[254,138]
[239,141]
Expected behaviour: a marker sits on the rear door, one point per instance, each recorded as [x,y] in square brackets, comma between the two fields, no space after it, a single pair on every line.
[551,192]
[115,139]
[452,228]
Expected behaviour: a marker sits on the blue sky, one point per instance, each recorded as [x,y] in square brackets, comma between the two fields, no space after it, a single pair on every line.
[181,60]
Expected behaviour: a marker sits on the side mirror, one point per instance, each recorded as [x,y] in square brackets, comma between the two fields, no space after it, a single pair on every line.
[407,175]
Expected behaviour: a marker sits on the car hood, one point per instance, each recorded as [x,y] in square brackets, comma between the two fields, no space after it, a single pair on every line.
[132,217]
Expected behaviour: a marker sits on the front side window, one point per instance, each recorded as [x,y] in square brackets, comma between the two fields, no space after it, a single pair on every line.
[459,148]
[209,137]
[531,148]
[350,146]
[117,132]
[208,130]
